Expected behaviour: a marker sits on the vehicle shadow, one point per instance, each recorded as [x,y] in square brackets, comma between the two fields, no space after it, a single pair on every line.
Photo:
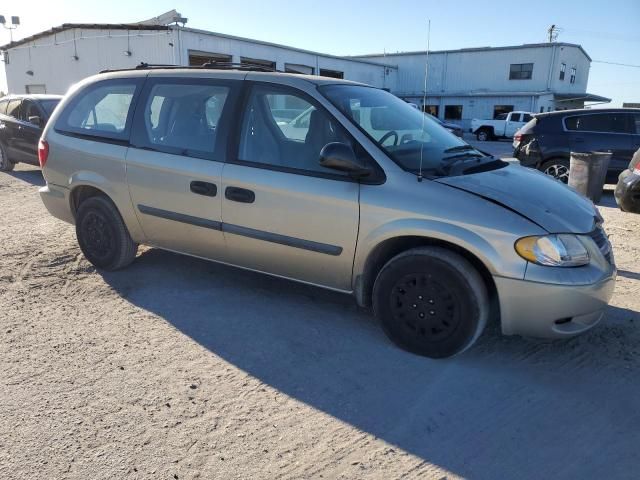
[32,176]
[628,274]
[607,199]
[508,408]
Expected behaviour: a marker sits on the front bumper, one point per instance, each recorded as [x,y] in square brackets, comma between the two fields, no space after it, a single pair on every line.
[56,200]
[551,311]
[628,192]
[556,302]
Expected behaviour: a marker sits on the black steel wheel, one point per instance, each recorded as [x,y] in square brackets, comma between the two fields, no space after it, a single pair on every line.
[431,302]
[102,235]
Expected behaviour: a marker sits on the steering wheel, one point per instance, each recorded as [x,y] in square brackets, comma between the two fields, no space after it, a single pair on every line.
[387,135]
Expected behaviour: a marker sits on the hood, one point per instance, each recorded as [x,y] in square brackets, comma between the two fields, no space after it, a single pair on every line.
[536,196]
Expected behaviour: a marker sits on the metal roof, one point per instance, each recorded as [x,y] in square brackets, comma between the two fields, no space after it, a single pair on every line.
[587,97]
[135,27]
[84,26]
[476,49]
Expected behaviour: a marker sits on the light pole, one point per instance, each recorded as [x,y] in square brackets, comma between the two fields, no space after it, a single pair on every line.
[15,21]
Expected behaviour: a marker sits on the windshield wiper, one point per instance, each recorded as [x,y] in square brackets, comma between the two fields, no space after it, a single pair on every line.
[459,148]
[463,155]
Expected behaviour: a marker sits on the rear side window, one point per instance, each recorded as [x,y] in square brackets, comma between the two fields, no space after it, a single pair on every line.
[13,109]
[3,106]
[182,118]
[603,122]
[103,109]
[526,117]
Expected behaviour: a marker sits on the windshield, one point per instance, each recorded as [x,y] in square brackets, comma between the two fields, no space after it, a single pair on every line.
[407,135]
[49,106]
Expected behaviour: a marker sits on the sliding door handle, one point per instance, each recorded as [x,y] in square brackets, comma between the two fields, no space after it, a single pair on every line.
[204,188]
[241,195]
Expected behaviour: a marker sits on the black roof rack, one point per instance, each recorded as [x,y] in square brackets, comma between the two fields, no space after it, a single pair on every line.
[213,65]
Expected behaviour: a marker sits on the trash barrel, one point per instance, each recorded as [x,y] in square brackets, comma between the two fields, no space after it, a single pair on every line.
[587,173]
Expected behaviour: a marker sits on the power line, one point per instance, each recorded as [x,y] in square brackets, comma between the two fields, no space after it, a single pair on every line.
[616,63]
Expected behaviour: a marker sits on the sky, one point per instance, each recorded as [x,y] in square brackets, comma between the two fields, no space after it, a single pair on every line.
[608,30]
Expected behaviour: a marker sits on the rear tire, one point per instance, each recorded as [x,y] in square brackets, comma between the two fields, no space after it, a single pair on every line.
[102,235]
[6,165]
[483,135]
[557,168]
[431,302]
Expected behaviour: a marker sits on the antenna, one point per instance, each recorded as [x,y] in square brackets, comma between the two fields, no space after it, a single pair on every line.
[424,97]
[553,31]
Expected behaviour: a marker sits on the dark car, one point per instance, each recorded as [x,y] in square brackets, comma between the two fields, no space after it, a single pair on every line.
[547,141]
[452,127]
[22,119]
[628,189]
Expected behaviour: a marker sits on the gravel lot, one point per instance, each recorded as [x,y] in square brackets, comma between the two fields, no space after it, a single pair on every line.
[178,368]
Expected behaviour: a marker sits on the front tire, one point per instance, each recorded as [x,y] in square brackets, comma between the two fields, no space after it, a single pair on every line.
[431,302]
[102,235]
[6,165]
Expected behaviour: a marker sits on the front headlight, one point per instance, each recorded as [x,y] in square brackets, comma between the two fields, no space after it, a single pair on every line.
[557,250]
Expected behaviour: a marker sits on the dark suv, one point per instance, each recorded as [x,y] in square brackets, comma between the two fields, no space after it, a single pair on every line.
[22,119]
[547,141]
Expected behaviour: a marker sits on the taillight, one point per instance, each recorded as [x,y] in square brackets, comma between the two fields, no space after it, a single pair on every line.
[43,152]
[517,137]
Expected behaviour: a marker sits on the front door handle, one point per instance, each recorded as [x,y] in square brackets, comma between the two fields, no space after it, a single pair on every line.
[241,195]
[204,188]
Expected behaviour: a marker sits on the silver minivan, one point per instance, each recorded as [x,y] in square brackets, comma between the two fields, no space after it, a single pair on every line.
[363,194]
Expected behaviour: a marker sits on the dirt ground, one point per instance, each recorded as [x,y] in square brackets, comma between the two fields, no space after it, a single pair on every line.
[178,368]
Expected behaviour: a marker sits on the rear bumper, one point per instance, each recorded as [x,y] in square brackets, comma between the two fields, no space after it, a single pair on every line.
[56,200]
[552,310]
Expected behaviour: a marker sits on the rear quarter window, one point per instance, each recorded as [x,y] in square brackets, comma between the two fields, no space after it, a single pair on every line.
[103,110]
[529,126]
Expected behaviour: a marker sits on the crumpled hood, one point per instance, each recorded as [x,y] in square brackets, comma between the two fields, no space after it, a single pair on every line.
[534,195]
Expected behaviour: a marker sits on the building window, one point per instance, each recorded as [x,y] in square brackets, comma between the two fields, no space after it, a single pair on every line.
[294,68]
[563,68]
[453,112]
[200,58]
[256,62]
[432,110]
[572,79]
[331,73]
[501,109]
[541,109]
[521,71]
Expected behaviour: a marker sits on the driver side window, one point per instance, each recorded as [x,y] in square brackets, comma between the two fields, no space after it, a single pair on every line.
[283,128]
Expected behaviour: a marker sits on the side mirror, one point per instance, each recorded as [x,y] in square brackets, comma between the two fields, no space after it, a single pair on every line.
[36,120]
[341,157]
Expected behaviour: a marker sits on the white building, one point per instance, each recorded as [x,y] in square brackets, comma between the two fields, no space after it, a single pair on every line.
[461,84]
[483,82]
[53,60]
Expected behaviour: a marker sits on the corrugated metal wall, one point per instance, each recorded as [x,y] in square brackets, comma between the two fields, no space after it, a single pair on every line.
[52,63]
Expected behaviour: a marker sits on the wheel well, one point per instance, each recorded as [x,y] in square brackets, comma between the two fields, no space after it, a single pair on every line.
[394,246]
[486,128]
[82,193]
[554,157]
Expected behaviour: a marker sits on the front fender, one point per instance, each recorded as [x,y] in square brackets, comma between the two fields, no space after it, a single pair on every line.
[497,255]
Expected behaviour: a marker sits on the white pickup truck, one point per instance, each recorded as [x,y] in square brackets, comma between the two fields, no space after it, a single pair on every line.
[504,125]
